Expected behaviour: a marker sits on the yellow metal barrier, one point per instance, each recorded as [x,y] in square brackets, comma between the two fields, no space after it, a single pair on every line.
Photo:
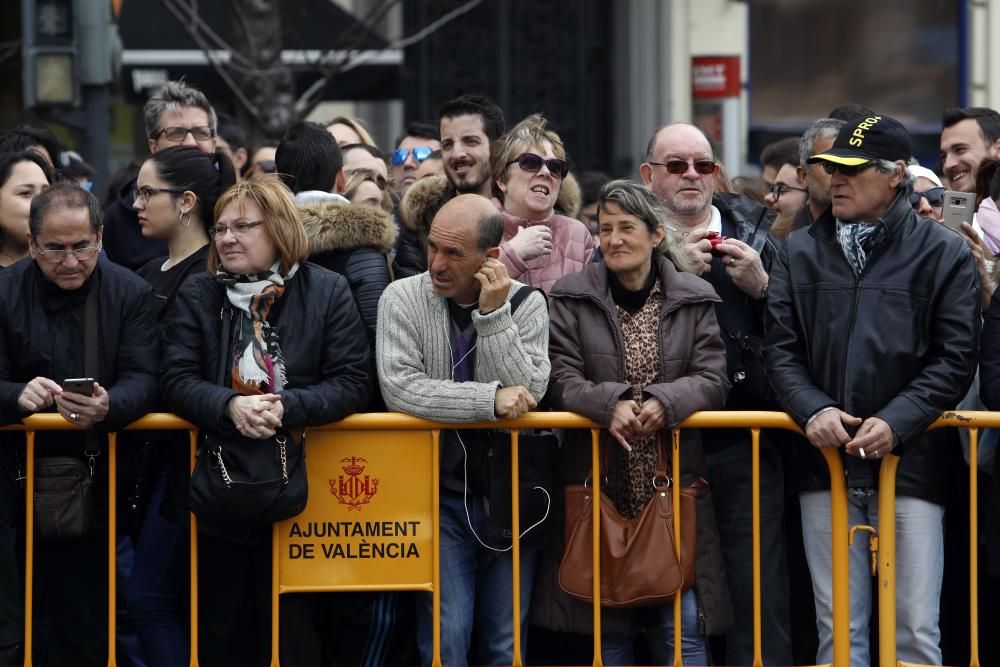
[755,421]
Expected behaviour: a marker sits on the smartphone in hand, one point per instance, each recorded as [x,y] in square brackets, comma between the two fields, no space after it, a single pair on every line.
[958,207]
[83,386]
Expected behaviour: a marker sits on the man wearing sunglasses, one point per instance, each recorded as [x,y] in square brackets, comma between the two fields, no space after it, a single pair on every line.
[680,168]
[874,330]
[412,149]
[175,115]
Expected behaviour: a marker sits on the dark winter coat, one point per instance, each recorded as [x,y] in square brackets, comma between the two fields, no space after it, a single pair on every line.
[36,340]
[353,240]
[898,343]
[322,339]
[588,376]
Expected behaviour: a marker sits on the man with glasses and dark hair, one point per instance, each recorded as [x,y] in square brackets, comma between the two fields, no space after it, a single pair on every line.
[43,341]
[680,169]
[176,115]
[412,149]
[874,322]
[969,136]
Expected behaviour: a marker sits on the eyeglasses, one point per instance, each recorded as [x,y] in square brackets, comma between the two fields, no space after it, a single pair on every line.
[532,163]
[935,197]
[59,255]
[678,167]
[144,193]
[779,189]
[831,167]
[238,228]
[420,153]
[203,133]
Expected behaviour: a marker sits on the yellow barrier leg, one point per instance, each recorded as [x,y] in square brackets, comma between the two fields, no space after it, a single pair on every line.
[275,600]
[595,506]
[193,578]
[838,527]
[436,551]
[515,502]
[973,547]
[887,561]
[112,546]
[675,463]
[758,659]
[29,547]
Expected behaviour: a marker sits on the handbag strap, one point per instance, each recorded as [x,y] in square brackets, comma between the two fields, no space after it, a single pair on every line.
[92,445]
[226,315]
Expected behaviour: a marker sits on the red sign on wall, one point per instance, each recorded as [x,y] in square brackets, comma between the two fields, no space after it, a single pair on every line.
[714,77]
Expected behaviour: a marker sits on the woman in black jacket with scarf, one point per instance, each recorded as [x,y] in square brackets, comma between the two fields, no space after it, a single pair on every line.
[297,356]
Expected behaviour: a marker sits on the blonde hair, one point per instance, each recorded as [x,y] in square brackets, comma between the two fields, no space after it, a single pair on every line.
[355,124]
[353,179]
[280,216]
[527,134]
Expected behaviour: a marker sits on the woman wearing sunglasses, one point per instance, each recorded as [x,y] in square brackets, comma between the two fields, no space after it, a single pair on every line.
[539,246]
[927,198]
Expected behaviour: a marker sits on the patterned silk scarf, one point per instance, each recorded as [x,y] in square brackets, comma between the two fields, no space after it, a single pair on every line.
[257,365]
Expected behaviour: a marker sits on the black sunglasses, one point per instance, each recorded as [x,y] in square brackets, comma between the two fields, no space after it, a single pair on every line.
[533,163]
[830,167]
[935,197]
[678,167]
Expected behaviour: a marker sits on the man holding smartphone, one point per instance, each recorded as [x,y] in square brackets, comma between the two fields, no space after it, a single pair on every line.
[874,323]
[44,336]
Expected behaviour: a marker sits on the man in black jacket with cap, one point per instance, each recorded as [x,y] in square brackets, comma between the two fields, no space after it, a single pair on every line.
[874,324]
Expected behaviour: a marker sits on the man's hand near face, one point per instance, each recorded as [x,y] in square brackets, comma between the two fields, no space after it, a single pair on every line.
[494,284]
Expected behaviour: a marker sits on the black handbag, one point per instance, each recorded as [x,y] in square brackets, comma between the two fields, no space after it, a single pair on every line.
[63,502]
[247,481]
[64,508]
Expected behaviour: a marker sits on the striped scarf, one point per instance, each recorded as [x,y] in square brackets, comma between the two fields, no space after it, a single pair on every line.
[257,365]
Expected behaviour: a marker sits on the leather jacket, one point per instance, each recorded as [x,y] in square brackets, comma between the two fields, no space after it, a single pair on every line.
[898,342]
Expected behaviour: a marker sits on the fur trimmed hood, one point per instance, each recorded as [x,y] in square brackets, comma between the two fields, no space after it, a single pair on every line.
[337,226]
[569,200]
[422,202]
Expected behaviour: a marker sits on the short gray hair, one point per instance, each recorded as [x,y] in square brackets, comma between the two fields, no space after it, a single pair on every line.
[638,200]
[824,128]
[171,97]
[890,167]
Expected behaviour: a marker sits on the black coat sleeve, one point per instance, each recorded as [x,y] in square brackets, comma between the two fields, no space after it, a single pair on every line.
[188,358]
[411,257]
[368,274]
[345,370]
[133,392]
[785,353]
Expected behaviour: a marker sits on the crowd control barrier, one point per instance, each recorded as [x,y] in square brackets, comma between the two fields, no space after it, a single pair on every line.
[353,468]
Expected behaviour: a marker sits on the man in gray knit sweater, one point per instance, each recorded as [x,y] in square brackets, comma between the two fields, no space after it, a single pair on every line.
[449,348]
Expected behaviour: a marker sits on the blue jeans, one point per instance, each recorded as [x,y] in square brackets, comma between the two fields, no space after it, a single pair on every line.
[153,593]
[476,587]
[620,649]
[919,570]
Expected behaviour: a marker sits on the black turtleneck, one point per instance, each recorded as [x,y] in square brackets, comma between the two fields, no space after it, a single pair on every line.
[631,301]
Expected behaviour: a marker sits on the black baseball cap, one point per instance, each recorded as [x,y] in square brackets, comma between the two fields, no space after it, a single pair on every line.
[866,139]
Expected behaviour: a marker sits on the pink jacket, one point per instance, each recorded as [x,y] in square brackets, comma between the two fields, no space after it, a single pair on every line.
[572,250]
